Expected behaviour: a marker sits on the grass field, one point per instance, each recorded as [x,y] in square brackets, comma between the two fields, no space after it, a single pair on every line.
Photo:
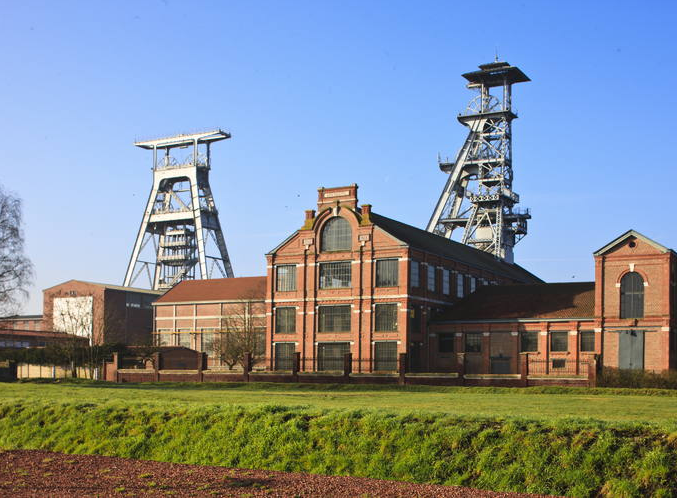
[562,441]
[611,405]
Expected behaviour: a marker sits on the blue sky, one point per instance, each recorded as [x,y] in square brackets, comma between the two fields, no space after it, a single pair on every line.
[327,93]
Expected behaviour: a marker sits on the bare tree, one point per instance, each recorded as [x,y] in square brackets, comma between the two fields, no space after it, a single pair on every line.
[16,270]
[242,331]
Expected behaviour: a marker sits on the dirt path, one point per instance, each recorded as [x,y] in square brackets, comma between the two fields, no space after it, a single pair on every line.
[42,473]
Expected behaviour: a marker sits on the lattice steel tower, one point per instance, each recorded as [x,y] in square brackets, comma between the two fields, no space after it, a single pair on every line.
[180,219]
[478,195]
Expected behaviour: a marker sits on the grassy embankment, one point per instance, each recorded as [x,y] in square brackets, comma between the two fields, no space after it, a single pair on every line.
[524,440]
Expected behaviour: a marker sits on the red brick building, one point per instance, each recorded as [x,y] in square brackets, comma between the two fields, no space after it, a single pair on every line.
[351,280]
[626,318]
[197,313]
[22,322]
[102,312]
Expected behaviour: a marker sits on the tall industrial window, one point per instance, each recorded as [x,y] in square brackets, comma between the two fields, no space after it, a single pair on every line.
[336,235]
[445,343]
[632,295]
[473,342]
[330,355]
[385,356]
[459,285]
[183,338]
[445,282]
[386,317]
[473,284]
[559,341]
[286,278]
[335,275]
[285,320]
[284,355]
[333,318]
[431,278]
[413,274]
[386,273]
[528,342]
[587,340]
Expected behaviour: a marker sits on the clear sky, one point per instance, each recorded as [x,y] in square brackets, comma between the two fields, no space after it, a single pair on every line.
[327,93]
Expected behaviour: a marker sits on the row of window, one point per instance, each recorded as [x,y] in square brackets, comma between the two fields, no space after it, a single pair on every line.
[212,343]
[337,274]
[330,355]
[559,342]
[336,318]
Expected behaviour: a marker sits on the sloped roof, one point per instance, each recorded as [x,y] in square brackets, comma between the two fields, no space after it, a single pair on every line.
[109,286]
[216,289]
[426,241]
[495,302]
[625,236]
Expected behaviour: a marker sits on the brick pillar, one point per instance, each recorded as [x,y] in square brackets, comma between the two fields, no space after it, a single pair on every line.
[402,368]
[157,359]
[201,365]
[592,371]
[247,367]
[460,367]
[524,369]
[116,365]
[347,365]
[295,366]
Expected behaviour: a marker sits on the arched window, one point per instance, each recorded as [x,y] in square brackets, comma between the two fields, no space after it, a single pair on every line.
[632,295]
[336,235]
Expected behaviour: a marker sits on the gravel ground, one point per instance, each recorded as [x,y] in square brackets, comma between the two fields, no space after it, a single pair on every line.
[42,473]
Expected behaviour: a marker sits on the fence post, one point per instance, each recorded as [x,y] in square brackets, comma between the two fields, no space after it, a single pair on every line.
[592,371]
[157,358]
[295,366]
[347,366]
[460,367]
[247,367]
[201,364]
[524,369]
[402,369]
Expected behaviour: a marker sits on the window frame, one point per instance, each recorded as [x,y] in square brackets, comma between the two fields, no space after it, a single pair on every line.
[286,321]
[631,300]
[446,282]
[325,265]
[292,275]
[322,319]
[588,333]
[525,333]
[414,276]
[379,278]
[431,278]
[474,346]
[449,337]
[393,319]
[336,223]
[558,334]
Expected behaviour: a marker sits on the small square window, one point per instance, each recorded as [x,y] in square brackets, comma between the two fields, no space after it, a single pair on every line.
[559,341]
[473,342]
[587,341]
[446,343]
[528,342]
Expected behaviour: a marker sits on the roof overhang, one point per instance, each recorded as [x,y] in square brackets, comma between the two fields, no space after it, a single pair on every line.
[184,140]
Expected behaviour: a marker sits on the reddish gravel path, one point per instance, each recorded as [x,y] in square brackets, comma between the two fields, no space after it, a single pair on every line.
[42,473]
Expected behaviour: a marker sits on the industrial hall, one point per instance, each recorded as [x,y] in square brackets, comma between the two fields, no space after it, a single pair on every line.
[354,281]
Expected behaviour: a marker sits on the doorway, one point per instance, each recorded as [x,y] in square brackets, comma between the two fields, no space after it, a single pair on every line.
[631,349]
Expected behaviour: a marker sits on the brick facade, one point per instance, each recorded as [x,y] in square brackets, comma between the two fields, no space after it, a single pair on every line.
[118,314]
[373,238]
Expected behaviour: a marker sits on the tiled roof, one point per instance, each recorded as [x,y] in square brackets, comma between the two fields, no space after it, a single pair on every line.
[420,239]
[495,302]
[216,289]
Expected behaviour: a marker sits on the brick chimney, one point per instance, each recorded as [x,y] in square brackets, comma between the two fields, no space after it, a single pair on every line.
[366,214]
[344,196]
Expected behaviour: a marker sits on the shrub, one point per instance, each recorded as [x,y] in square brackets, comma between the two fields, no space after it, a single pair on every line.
[615,377]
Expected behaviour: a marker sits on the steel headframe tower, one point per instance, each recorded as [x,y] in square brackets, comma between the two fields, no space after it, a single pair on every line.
[180,219]
[478,195]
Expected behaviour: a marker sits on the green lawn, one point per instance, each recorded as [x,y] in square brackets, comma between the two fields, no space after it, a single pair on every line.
[612,405]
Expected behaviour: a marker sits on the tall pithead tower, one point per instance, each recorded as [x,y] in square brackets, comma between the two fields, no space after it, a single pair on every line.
[478,196]
[181,221]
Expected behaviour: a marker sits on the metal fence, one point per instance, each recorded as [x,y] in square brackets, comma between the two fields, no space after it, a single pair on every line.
[559,367]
